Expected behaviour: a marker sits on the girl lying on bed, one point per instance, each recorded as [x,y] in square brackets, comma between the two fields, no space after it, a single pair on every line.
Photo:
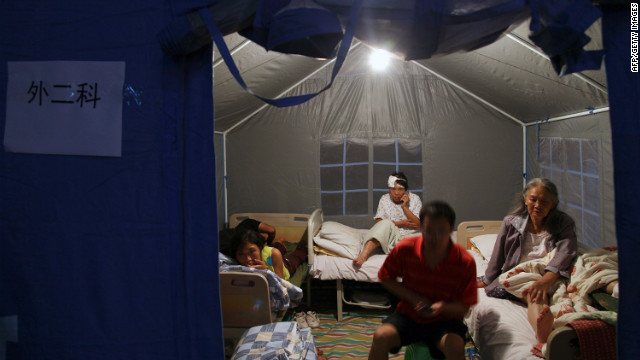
[249,249]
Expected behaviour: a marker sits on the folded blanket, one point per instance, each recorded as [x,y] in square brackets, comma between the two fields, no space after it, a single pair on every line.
[276,341]
[593,269]
[283,294]
[340,239]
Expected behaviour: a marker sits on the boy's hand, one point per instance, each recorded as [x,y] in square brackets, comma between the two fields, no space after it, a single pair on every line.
[423,307]
[428,310]
[436,308]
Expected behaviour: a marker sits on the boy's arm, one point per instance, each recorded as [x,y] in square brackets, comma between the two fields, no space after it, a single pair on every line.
[422,304]
[269,230]
[455,308]
[468,295]
[405,294]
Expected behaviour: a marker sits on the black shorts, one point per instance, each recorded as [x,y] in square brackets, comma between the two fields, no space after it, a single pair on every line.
[411,331]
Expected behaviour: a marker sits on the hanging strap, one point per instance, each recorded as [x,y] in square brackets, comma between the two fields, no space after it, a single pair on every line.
[291,100]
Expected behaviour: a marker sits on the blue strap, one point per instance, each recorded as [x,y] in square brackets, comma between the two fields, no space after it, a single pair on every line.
[291,100]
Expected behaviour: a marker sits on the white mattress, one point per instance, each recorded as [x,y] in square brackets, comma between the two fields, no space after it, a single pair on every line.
[327,267]
[499,328]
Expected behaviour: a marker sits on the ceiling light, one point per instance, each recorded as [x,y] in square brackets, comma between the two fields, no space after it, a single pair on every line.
[379,59]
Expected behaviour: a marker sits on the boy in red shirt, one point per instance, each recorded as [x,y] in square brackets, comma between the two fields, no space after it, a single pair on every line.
[437,287]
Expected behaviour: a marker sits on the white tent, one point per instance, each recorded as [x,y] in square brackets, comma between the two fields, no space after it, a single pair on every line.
[114,256]
[479,119]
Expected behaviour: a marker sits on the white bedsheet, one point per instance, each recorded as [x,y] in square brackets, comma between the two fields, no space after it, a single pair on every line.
[326,267]
[499,328]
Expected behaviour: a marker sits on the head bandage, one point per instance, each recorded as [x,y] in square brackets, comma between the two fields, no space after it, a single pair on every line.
[392,181]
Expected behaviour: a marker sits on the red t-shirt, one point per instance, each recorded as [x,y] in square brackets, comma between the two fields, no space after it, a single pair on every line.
[454,279]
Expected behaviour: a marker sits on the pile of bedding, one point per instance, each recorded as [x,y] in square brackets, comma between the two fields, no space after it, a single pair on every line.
[280,340]
[593,270]
[339,240]
[336,245]
[282,293]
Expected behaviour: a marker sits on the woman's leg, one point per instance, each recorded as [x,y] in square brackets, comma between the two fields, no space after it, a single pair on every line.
[383,234]
[541,319]
[369,246]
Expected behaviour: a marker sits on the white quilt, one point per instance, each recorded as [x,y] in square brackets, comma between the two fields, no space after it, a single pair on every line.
[326,267]
[340,239]
[592,270]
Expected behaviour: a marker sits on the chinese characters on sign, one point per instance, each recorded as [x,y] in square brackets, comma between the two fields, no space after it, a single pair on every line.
[64,93]
[64,107]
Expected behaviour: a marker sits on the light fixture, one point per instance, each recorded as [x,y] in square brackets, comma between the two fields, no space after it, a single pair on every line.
[379,59]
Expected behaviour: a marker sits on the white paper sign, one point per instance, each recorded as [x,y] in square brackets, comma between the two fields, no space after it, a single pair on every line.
[64,107]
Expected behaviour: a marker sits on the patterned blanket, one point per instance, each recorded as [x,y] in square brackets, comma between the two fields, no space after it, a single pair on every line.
[592,270]
[283,294]
[276,341]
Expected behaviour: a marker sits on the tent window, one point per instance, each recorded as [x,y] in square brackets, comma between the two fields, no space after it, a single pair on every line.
[574,166]
[354,171]
[344,174]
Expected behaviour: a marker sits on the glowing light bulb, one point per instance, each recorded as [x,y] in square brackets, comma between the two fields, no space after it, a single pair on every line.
[379,59]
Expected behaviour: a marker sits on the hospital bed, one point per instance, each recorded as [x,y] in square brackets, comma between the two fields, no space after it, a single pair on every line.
[323,266]
[245,296]
[499,327]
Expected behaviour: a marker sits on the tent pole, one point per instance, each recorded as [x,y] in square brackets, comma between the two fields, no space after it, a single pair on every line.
[513,118]
[224,178]
[580,76]
[525,161]
[571,116]
[289,89]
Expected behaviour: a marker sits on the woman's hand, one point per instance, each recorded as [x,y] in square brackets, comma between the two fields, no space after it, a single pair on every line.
[405,199]
[406,224]
[538,292]
[480,284]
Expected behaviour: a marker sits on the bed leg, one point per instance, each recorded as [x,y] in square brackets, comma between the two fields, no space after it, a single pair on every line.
[339,298]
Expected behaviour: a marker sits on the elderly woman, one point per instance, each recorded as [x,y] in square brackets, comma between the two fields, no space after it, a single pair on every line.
[532,230]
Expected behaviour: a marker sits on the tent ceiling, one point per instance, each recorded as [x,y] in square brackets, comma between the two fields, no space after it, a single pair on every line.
[508,74]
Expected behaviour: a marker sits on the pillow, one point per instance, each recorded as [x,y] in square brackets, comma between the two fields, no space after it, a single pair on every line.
[339,238]
[225,260]
[484,243]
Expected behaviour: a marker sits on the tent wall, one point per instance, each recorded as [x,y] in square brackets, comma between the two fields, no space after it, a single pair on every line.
[596,127]
[471,155]
[625,133]
[113,257]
